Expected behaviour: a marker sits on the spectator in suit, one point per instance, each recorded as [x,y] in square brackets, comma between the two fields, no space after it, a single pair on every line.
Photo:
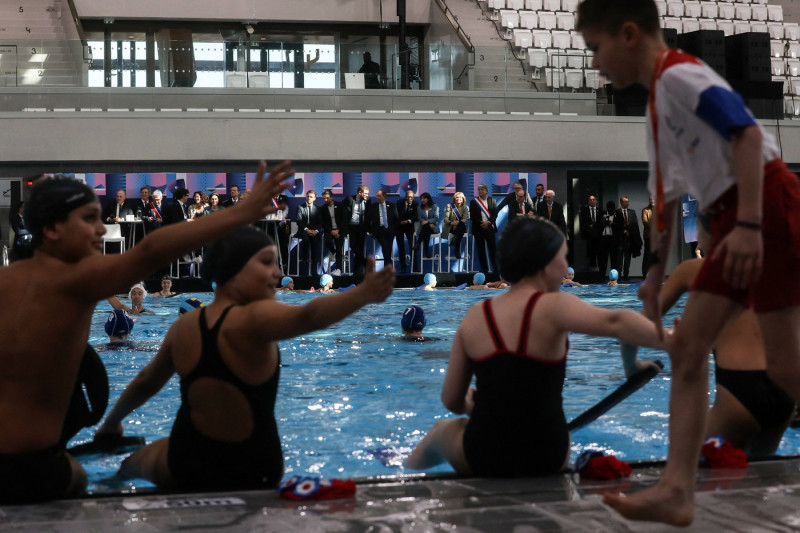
[234,197]
[455,222]
[116,213]
[383,224]
[357,207]
[22,247]
[553,211]
[308,231]
[428,214]
[539,199]
[178,211]
[154,216]
[144,200]
[407,213]
[482,211]
[279,228]
[517,199]
[333,216]
[591,228]
[647,215]
[520,206]
[608,240]
[629,240]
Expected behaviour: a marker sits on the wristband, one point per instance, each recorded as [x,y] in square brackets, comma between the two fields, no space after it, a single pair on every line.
[756,226]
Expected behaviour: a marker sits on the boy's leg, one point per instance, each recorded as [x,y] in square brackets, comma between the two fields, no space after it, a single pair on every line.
[444,442]
[781,332]
[672,499]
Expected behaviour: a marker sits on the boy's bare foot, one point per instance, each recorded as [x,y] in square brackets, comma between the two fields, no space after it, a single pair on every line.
[655,504]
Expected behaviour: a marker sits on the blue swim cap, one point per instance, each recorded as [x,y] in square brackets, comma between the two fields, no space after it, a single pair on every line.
[429,278]
[413,318]
[190,305]
[325,279]
[285,281]
[570,270]
[479,278]
[613,275]
[118,323]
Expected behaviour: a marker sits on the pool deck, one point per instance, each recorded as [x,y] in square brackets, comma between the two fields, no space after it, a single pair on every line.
[764,497]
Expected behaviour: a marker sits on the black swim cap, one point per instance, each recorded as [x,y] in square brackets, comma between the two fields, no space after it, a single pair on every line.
[51,200]
[526,246]
[228,255]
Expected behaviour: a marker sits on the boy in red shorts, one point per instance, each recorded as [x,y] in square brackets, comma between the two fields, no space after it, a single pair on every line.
[703,140]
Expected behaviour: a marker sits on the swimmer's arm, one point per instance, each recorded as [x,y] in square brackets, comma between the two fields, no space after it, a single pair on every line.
[145,385]
[115,303]
[272,321]
[570,313]
[456,382]
[100,276]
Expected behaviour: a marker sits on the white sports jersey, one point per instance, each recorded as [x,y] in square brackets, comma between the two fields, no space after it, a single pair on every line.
[697,113]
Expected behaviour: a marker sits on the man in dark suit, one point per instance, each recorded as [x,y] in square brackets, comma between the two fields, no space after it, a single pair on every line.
[629,239]
[278,226]
[482,210]
[333,216]
[177,210]
[539,199]
[383,225]
[356,208]
[591,227]
[154,216]
[116,212]
[407,213]
[516,200]
[308,231]
[234,197]
[553,211]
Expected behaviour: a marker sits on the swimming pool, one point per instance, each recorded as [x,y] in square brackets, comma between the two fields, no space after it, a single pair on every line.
[357,386]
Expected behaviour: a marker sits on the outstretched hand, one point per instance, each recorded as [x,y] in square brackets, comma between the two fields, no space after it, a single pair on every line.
[379,285]
[266,188]
[743,251]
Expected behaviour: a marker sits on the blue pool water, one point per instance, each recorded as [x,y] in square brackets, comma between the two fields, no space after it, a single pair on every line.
[356,386]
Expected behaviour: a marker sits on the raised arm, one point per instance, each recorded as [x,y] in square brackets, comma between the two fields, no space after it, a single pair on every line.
[145,385]
[106,275]
[274,321]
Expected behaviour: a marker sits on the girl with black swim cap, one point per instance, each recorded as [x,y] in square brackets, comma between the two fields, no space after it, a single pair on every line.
[225,435]
[516,345]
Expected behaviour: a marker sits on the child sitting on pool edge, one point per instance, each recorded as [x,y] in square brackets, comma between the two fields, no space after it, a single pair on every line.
[515,423]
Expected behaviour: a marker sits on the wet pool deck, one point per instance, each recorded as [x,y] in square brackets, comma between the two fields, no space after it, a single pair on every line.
[765,497]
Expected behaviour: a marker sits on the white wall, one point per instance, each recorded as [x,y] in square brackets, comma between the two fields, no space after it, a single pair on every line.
[417,11]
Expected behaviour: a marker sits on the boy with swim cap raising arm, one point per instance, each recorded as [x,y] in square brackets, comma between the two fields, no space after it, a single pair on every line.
[39,359]
[703,140]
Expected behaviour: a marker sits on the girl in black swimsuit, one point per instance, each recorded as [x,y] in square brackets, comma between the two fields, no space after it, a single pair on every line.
[225,435]
[516,346]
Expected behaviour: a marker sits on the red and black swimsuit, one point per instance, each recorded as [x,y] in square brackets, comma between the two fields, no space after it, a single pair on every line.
[517,427]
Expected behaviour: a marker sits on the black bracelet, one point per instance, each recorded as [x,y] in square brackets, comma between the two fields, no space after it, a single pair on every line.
[749,225]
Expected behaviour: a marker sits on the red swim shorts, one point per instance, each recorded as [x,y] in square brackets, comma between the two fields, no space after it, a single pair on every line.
[779,285]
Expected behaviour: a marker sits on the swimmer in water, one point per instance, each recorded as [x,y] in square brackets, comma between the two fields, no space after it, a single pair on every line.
[412,323]
[478,282]
[569,279]
[326,283]
[118,326]
[430,282]
[166,287]
[613,276]
[287,284]
[137,295]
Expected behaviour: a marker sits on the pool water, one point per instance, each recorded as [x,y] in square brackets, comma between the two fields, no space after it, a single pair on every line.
[357,386]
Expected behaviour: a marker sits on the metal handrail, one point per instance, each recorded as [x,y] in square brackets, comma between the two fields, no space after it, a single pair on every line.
[454,21]
[81,34]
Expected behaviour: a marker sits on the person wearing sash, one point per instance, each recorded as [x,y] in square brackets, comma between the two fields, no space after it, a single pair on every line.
[155,216]
[482,210]
[703,140]
[455,222]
